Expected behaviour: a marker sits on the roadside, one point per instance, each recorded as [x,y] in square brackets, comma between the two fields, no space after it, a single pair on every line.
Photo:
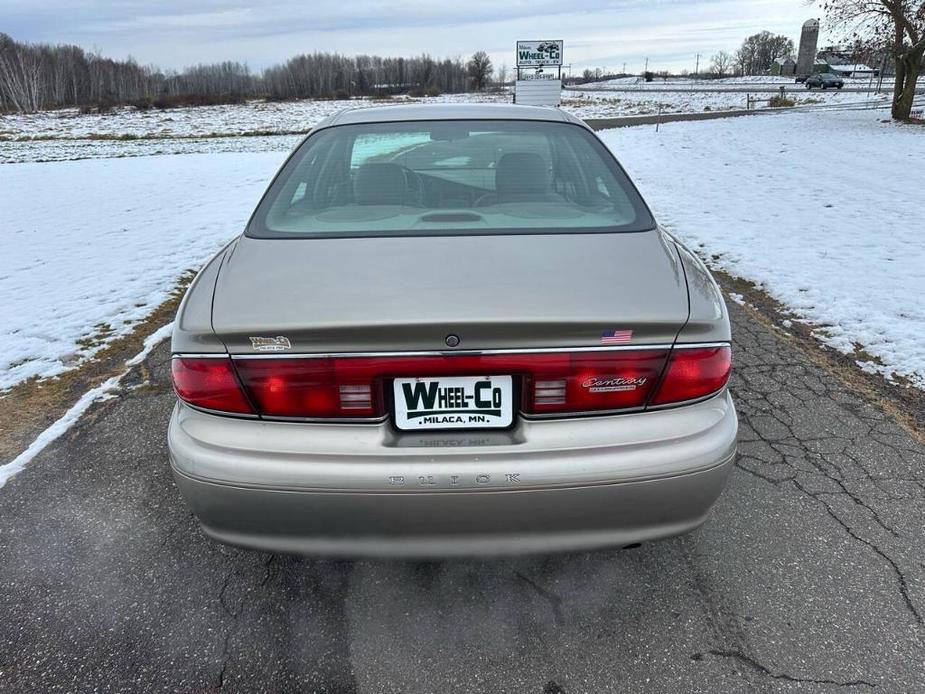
[900,399]
[96,256]
[832,235]
[30,407]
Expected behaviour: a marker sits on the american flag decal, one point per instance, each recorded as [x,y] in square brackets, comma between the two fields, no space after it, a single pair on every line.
[616,337]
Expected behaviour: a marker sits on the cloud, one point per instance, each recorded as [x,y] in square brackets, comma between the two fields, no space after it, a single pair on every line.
[174,34]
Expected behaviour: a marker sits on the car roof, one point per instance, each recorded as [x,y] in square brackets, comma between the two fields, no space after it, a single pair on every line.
[446,111]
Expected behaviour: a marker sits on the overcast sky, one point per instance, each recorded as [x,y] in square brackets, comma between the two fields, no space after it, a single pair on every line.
[177,33]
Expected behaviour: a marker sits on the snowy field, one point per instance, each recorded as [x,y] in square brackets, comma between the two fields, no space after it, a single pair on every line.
[68,134]
[227,119]
[71,149]
[726,83]
[609,104]
[92,246]
[818,209]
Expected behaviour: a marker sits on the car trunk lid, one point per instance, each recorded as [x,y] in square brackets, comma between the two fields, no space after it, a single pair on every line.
[410,293]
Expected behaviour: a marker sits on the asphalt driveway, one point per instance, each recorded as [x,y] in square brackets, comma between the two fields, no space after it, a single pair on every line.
[809,577]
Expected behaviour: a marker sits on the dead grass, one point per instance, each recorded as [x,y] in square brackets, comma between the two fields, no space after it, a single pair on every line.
[900,399]
[781,102]
[30,407]
[582,100]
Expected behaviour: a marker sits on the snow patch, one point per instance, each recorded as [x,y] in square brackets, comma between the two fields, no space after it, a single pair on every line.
[105,391]
[738,298]
[151,341]
[92,247]
[833,232]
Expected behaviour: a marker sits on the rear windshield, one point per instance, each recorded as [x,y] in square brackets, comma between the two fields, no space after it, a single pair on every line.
[456,177]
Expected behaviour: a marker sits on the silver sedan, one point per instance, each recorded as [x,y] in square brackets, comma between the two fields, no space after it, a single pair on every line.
[451,330]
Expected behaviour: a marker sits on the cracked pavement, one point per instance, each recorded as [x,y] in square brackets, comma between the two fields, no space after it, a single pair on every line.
[808,577]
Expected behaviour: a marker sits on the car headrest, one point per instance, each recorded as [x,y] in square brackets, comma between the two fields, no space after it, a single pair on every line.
[379,184]
[521,174]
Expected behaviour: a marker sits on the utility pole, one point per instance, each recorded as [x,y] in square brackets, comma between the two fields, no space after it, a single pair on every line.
[646,68]
[697,68]
[624,69]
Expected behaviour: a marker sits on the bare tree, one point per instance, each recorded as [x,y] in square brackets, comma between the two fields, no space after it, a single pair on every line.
[759,50]
[894,26]
[37,76]
[329,75]
[479,69]
[721,63]
[20,75]
[502,74]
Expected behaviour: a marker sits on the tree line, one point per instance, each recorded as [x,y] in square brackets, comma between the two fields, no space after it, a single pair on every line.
[40,76]
[332,75]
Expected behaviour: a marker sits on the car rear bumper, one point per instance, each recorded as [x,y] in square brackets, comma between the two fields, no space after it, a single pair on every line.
[367,490]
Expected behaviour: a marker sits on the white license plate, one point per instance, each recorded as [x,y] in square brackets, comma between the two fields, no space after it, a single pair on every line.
[453,402]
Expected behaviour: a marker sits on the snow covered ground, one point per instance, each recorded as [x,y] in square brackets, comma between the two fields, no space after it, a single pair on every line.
[800,203]
[106,390]
[91,247]
[228,119]
[757,81]
[63,134]
[609,104]
[71,149]
[821,210]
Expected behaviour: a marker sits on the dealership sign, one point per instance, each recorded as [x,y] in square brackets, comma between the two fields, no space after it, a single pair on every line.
[539,53]
[539,73]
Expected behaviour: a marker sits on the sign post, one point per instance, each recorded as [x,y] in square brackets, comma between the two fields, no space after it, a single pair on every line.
[539,73]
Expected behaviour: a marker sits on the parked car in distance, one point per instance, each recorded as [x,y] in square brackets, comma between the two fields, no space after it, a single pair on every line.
[824,80]
[451,330]
[800,79]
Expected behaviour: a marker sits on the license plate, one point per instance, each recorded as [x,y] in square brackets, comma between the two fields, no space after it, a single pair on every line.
[453,402]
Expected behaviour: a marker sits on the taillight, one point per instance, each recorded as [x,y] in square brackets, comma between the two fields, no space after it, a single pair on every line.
[694,373]
[209,383]
[591,381]
[356,386]
[312,387]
